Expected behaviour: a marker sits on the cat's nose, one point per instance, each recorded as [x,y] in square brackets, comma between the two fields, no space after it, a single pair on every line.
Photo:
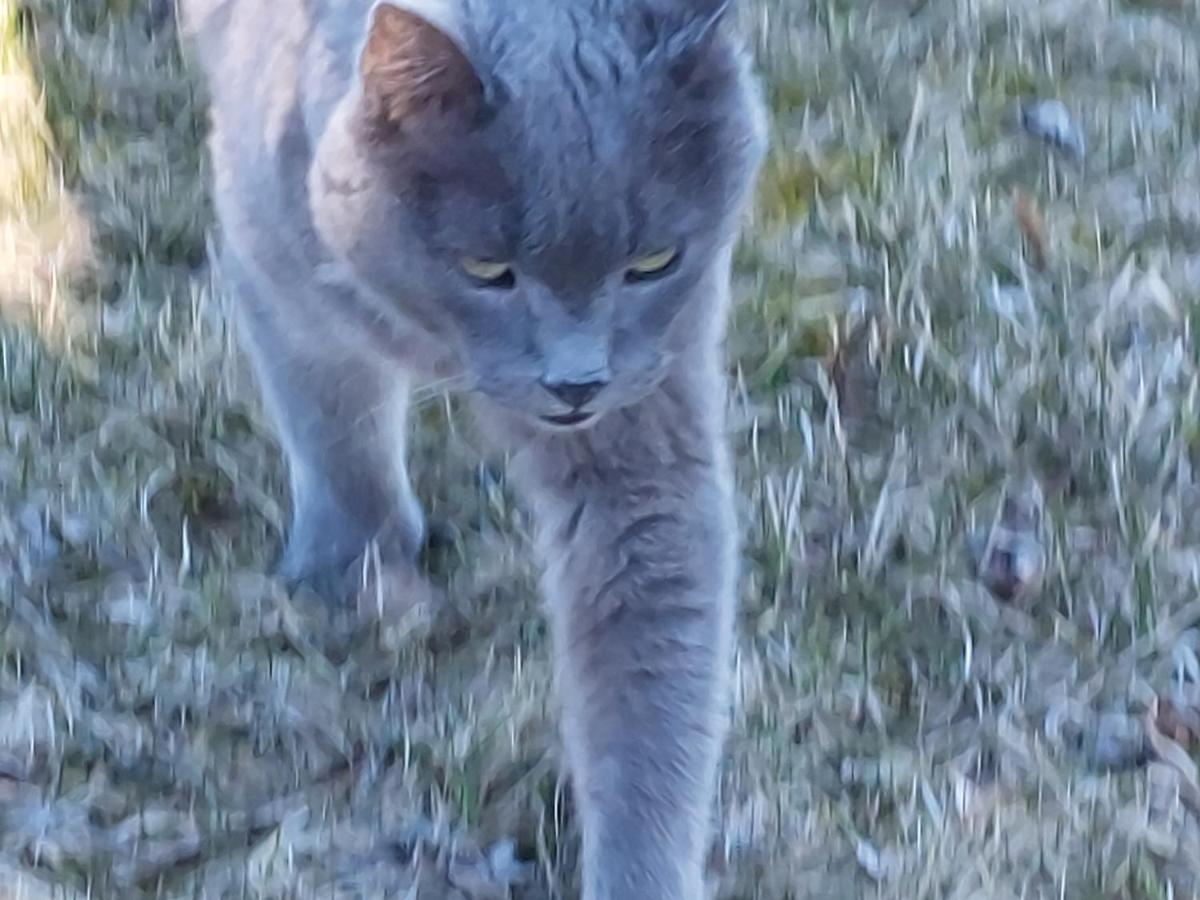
[574,393]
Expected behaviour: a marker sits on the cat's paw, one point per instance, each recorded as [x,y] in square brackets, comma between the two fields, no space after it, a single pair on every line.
[333,569]
[367,605]
[398,602]
[328,535]
[329,577]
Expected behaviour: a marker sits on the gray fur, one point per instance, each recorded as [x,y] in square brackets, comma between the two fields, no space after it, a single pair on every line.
[568,137]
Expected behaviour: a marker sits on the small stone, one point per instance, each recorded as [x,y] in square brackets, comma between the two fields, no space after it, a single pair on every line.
[1108,741]
[43,545]
[1011,564]
[472,875]
[506,868]
[1050,121]
[76,530]
[881,865]
[1116,741]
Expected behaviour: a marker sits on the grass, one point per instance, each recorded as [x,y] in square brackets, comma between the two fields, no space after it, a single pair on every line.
[972,554]
[44,239]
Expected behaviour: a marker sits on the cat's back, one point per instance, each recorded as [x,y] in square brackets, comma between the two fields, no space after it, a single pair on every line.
[245,43]
[257,56]
[273,71]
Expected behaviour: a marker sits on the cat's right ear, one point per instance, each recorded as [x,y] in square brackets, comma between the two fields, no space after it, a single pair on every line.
[414,75]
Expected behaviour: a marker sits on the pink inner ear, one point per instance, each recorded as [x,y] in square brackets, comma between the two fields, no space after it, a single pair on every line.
[412,69]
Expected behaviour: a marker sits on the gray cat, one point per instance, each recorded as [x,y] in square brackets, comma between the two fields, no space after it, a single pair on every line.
[534,201]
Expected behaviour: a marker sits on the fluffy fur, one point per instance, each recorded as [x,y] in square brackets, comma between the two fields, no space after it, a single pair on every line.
[362,151]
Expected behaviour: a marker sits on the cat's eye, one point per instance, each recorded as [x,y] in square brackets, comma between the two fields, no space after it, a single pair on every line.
[652,266]
[488,272]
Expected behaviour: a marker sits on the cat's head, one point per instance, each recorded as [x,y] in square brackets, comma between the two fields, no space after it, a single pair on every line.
[552,187]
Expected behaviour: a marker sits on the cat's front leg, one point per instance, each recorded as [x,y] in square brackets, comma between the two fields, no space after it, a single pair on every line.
[637,534]
[340,412]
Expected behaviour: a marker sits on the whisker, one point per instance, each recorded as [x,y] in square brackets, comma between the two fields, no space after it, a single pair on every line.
[433,389]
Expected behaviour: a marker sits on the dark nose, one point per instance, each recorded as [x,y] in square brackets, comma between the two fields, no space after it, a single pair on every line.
[574,393]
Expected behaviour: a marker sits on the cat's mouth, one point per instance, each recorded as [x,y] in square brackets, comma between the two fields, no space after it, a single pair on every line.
[569,420]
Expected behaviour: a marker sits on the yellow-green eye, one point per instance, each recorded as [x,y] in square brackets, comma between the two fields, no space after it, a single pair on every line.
[656,265]
[488,272]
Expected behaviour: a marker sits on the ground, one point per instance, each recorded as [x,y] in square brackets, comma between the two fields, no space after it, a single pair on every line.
[966,416]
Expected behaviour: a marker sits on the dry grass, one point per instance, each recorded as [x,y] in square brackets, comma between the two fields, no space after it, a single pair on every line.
[44,239]
[968,416]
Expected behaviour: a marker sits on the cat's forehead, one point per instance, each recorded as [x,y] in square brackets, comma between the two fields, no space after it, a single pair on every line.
[603,150]
[576,159]
[584,184]
[545,182]
[509,34]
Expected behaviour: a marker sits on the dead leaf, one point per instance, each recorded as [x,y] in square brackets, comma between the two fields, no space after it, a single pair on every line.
[1180,723]
[1033,226]
[855,373]
[1172,754]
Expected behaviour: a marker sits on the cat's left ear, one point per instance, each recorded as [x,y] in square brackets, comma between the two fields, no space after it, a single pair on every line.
[414,74]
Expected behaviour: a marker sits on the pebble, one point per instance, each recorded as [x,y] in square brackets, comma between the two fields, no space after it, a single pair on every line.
[42,545]
[1010,563]
[1050,121]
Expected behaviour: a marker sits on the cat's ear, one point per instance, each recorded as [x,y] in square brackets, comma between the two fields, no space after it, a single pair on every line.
[413,73]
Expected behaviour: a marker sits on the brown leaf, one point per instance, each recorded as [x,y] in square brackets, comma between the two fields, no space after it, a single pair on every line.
[1180,723]
[1033,226]
[1167,751]
[855,372]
